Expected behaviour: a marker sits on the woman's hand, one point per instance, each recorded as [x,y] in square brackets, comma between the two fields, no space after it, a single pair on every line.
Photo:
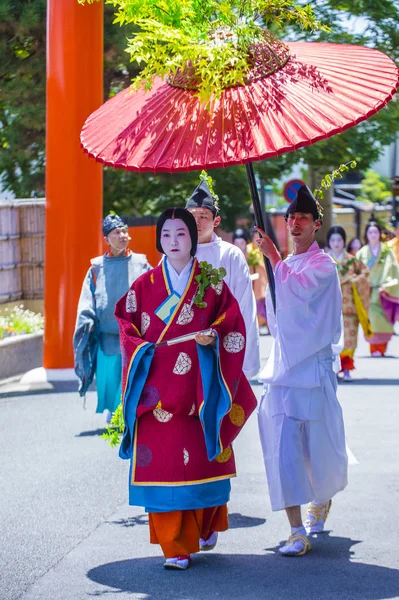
[206,340]
[267,247]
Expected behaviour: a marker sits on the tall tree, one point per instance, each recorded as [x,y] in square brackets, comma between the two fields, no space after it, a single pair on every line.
[23,89]
[22,93]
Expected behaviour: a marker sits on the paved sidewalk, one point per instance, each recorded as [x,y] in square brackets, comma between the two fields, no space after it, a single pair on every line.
[67,532]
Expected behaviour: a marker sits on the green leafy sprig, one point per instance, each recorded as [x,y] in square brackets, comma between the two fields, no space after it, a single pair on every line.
[114,430]
[329,179]
[204,176]
[385,250]
[209,276]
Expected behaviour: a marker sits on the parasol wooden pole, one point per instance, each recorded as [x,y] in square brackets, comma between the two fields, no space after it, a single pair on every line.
[260,223]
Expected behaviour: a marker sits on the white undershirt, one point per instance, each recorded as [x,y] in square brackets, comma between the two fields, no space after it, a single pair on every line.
[179,280]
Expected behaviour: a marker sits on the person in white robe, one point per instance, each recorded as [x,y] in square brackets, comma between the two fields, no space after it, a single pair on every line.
[212,249]
[300,419]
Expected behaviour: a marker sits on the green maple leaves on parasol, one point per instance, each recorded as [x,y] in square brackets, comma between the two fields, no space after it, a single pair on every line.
[212,39]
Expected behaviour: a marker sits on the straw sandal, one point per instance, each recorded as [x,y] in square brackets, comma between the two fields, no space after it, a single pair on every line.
[178,563]
[289,548]
[316,516]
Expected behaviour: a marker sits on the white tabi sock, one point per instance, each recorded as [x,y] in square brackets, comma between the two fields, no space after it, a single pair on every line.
[294,546]
[300,530]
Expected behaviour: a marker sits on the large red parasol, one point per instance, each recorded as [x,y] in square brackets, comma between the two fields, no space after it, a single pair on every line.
[296,94]
[322,90]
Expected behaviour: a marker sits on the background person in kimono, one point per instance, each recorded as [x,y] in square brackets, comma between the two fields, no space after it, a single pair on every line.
[384,281]
[353,246]
[214,250]
[96,337]
[256,266]
[300,419]
[257,271]
[394,243]
[241,239]
[183,404]
[355,287]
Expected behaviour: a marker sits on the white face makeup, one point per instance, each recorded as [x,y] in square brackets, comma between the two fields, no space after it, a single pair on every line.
[176,240]
[336,243]
[373,235]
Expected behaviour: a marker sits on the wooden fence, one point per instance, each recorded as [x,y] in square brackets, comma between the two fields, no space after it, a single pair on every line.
[21,249]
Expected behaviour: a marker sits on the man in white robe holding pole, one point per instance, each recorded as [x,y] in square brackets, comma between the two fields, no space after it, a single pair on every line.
[212,249]
[300,419]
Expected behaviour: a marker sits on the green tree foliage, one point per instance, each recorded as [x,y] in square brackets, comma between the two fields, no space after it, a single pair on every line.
[23,90]
[363,143]
[375,188]
[137,194]
[22,96]
[140,194]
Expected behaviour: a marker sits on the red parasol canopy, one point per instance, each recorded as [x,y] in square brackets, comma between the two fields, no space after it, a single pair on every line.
[321,89]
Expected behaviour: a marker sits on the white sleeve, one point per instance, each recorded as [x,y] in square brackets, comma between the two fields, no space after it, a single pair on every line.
[239,281]
[309,304]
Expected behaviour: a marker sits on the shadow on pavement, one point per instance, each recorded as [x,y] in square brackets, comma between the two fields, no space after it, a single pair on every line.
[370,382]
[236,521]
[92,433]
[131,521]
[327,573]
[239,521]
[58,387]
[377,357]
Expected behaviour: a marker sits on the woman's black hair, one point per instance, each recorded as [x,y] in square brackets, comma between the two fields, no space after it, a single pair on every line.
[336,229]
[371,224]
[187,218]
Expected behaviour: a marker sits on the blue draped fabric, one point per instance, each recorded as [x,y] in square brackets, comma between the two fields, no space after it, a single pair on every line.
[108,381]
[217,399]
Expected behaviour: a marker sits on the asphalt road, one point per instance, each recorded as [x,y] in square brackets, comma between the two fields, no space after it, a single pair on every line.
[67,532]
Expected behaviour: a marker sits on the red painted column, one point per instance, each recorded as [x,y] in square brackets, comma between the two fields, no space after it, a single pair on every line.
[73,181]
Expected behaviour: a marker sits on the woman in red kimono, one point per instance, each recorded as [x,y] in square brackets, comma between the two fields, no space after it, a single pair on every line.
[184,403]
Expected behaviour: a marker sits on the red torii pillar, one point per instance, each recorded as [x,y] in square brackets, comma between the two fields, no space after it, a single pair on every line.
[73,181]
